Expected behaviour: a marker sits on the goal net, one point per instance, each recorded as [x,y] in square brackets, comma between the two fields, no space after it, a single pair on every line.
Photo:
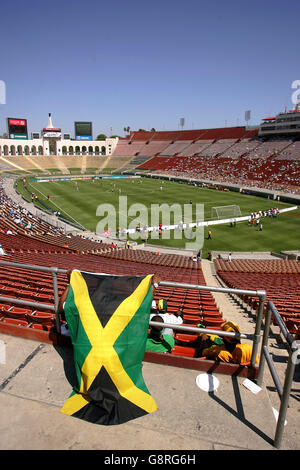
[225,212]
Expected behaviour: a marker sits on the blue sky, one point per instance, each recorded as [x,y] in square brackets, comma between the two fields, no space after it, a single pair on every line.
[147,64]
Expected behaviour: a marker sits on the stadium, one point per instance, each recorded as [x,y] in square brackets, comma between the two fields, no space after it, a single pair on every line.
[149,229]
[243,268]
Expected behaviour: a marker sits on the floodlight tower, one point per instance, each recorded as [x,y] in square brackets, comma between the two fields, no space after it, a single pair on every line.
[247,117]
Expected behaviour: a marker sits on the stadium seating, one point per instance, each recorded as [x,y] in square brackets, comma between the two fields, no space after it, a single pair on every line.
[233,155]
[39,285]
[227,154]
[280,279]
[176,147]
[182,143]
[67,164]
[123,148]
[217,148]
[44,245]
[243,147]
[292,152]
[196,148]
[283,175]
[268,149]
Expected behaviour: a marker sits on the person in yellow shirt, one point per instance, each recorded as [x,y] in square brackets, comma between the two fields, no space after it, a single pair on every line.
[223,348]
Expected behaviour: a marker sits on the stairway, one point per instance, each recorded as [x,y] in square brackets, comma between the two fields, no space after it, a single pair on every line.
[231,309]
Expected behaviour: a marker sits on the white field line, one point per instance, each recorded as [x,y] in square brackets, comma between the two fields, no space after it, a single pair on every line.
[62,210]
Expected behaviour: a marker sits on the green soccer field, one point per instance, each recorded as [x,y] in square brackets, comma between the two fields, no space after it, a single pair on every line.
[79,201]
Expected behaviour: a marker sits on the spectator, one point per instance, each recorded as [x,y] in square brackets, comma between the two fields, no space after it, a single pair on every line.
[157,341]
[225,349]
[172,319]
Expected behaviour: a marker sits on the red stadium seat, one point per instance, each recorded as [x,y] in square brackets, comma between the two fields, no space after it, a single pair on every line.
[183,351]
[41,318]
[192,319]
[212,322]
[185,337]
[15,322]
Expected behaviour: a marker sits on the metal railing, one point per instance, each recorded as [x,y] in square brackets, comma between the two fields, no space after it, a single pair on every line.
[261,294]
[54,271]
[283,392]
[265,357]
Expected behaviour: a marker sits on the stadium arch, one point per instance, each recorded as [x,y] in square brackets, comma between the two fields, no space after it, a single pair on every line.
[52,143]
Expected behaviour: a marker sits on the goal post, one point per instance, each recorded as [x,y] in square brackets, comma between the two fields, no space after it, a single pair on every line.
[225,212]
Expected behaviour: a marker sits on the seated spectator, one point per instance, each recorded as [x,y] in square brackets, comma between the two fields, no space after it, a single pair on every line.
[1,250]
[155,283]
[162,306]
[222,348]
[173,319]
[157,341]
[204,342]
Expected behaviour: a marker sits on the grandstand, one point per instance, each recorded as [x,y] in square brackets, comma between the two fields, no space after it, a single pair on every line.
[257,172]
[62,165]
[233,154]
[37,242]
[280,278]
[291,152]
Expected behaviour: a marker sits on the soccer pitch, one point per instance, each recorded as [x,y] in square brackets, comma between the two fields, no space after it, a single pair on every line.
[80,199]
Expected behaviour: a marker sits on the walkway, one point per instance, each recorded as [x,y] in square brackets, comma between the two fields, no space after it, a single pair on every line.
[229,308]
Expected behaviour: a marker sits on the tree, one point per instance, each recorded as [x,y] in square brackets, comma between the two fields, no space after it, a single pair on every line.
[101,137]
[152,130]
[126,129]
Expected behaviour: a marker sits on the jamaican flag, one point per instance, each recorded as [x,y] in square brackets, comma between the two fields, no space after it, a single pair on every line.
[108,319]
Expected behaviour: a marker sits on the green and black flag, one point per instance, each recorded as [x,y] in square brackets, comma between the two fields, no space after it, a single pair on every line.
[108,319]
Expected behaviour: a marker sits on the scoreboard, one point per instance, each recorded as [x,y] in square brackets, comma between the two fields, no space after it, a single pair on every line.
[83,130]
[17,128]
